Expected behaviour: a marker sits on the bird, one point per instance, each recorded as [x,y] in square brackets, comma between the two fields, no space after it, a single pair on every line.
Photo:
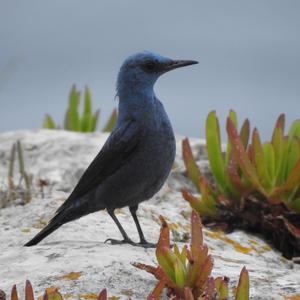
[137,157]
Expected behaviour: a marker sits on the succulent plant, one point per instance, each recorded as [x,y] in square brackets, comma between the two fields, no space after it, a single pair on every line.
[87,122]
[50,293]
[23,188]
[186,273]
[111,122]
[257,185]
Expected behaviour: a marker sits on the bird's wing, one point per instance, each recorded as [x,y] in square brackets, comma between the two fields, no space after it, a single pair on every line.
[118,148]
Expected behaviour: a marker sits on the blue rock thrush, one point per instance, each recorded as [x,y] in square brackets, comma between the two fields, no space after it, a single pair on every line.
[137,157]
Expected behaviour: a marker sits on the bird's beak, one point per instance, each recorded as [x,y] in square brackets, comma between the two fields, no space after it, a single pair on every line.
[178,64]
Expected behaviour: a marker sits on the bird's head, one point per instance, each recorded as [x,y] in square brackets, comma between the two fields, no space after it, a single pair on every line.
[142,69]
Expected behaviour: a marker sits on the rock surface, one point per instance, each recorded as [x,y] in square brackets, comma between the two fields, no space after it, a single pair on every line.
[60,158]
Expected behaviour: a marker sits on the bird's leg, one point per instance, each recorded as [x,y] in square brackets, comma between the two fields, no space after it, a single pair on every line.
[143,242]
[126,239]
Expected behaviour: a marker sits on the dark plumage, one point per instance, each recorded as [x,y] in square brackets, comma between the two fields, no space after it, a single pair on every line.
[137,157]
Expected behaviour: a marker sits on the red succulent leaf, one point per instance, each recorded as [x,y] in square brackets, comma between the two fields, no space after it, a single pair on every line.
[193,273]
[45,296]
[242,157]
[2,295]
[290,184]
[155,294]
[156,271]
[197,236]
[194,201]
[102,295]
[250,153]
[279,125]
[164,238]
[189,162]
[294,177]
[205,187]
[235,179]
[28,291]
[206,269]
[292,229]
[14,293]
[210,289]
[188,295]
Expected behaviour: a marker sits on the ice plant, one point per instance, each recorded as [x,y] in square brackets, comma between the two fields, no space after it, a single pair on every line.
[21,187]
[186,273]
[257,185]
[110,124]
[87,121]
[50,293]
[272,168]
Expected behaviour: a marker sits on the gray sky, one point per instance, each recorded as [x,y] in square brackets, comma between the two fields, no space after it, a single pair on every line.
[248,53]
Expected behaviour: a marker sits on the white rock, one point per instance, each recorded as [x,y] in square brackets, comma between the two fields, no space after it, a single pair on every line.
[60,157]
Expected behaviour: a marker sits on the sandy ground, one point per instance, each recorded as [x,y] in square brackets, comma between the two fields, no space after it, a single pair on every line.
[60,157]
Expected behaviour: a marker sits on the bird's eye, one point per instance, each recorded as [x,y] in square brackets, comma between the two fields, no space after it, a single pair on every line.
[149,65]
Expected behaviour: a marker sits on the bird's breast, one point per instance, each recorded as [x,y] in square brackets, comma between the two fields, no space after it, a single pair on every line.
[157,155]
[148,167]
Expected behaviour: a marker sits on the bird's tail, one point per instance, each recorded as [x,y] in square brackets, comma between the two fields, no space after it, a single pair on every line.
[52,226]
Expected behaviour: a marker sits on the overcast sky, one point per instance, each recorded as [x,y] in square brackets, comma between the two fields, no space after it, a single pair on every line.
[249,54]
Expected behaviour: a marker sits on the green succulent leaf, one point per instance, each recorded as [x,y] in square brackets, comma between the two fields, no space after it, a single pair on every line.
[214,151]
[233,117]
[208,198]
[221,285]
[245,133]
[204,204]
[111,121]
[260,159]
[87,102]
[166,264]
[269,155]
[54,295]
[94,120]
[294,130]
[278,146]
[180,273]
[282,172]
[295,204]
[72,116]
[293,154]
[293,181]
[242,292]
[86,119]
[48,122]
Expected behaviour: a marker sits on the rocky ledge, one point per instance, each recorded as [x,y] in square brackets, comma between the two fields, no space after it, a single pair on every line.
[75,258]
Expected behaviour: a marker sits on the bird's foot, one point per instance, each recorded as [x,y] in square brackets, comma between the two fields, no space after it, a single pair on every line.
[143,243]
[146,244]
[120,242]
